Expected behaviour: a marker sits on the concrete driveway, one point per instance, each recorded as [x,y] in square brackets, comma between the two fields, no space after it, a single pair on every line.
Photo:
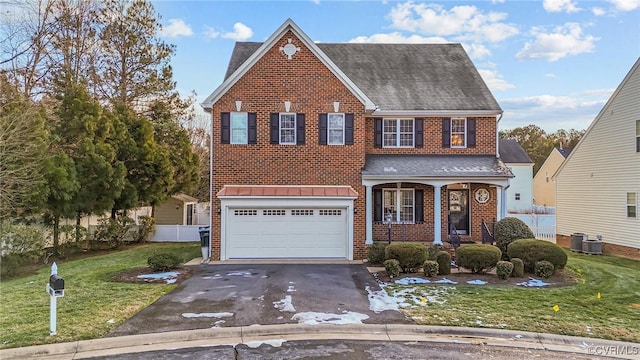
[226,295]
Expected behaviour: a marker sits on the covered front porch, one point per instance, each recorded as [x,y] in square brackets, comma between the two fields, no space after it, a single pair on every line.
[423,197]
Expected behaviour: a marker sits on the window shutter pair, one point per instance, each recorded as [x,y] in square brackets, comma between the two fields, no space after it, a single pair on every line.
[418,205]
[446,132]
[348,129]
[418,124]
[225,129]
[274,126]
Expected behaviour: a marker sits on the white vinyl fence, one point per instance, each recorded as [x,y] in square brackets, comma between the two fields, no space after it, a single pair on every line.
[176,233]
[542,225]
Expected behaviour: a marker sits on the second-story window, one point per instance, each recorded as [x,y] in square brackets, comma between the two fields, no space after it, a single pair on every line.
[287,129]
[335,129]
[398,133]
[239,128]
[458,132]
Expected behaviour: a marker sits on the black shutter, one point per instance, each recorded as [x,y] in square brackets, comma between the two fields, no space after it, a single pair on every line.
[419,206]
[274,135]
[378,139]
[377,205]
[252,128]
[348,129]
[471,132]
[322,129]
[300,129]
[419,135]
[225,128]
[446,132]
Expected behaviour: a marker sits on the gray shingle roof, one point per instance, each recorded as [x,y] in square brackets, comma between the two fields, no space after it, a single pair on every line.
[403,76]
[564,151]
[435,166]
[512,153]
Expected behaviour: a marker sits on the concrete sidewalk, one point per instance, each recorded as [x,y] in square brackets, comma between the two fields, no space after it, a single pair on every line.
[296,332]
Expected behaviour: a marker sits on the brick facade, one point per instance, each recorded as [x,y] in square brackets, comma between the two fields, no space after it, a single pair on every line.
[312,89]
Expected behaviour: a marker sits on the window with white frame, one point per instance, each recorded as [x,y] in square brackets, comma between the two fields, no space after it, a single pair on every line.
[239,128]
[400,204]
[287,128]
[335,129]
[398,133]
[632,209]
[458,132]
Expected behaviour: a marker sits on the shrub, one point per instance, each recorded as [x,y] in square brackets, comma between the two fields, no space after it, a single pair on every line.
[164,261]
[113,231]
[444,263]
[146,229]
[24,240]
[509,229]
[410,255]
[479,258]
[518,267]
[375,252]
[532,251]
[504,269]
[392,266]
[433,251]
[544,268]
[430,268]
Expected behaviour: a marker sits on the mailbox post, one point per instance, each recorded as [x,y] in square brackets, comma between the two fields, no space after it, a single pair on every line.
[55,288]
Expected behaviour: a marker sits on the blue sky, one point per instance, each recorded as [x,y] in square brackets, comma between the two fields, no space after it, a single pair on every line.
[552,63]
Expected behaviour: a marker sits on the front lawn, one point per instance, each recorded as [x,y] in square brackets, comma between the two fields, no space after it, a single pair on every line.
[92,305]
[580,312]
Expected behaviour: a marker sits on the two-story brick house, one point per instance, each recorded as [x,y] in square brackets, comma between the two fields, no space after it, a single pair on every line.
[319,149]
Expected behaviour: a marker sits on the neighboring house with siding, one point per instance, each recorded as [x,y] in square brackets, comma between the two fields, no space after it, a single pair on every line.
[520,191]
[318,148]
[179,209]
[544,185]
[598,185]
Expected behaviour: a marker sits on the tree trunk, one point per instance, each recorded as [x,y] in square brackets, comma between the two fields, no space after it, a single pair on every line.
[78,216]
[56,233]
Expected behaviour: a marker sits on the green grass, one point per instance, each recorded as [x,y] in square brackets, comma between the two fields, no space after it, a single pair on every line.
[580,313]
[91,299]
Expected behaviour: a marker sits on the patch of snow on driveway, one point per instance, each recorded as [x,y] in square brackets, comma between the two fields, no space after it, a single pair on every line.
[315,318]
[284,304]
[207,315]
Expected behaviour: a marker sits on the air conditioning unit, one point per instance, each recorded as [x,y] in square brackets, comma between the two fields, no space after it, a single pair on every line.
[576,241]
[593,247]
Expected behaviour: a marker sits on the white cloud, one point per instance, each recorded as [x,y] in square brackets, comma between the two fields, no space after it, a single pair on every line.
[176,28]
[560,6]
[476,51]
[240,32]
[625,5]
[461,22]
[398,38]
[598,11]
[494,80]
[211,32]
[551,75]
[565,40]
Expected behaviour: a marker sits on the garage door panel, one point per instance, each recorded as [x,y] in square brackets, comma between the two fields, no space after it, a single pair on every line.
[286,233]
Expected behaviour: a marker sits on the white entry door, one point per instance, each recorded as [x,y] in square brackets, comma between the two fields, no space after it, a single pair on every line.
[301,232]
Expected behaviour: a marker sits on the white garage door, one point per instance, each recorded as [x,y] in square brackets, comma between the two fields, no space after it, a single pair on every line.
[286,233]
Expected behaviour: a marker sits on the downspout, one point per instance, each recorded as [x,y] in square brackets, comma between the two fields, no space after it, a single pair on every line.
[210,184]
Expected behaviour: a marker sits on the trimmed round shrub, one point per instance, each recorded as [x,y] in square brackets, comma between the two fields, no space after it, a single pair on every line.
[164,261]
[392,267]
[430,268]
[509,229]
[444,263]
[479,258]
[532,251]
[544,268]
[375,252]
[518,268]
[410,255]
[504,269]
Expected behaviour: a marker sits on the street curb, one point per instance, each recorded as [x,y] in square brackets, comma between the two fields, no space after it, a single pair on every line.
[295,332]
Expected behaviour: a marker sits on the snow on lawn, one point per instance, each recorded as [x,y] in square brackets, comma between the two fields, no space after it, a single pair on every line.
[476,282]
[315,318]
[380,300]
[284,304]
[170,276]
[412,280]
[532,282]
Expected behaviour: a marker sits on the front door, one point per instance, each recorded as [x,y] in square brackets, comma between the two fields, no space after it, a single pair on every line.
[459,210]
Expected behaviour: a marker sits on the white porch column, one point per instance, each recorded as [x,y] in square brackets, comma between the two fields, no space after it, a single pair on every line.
[437,215]
[503,202]
[368,215]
